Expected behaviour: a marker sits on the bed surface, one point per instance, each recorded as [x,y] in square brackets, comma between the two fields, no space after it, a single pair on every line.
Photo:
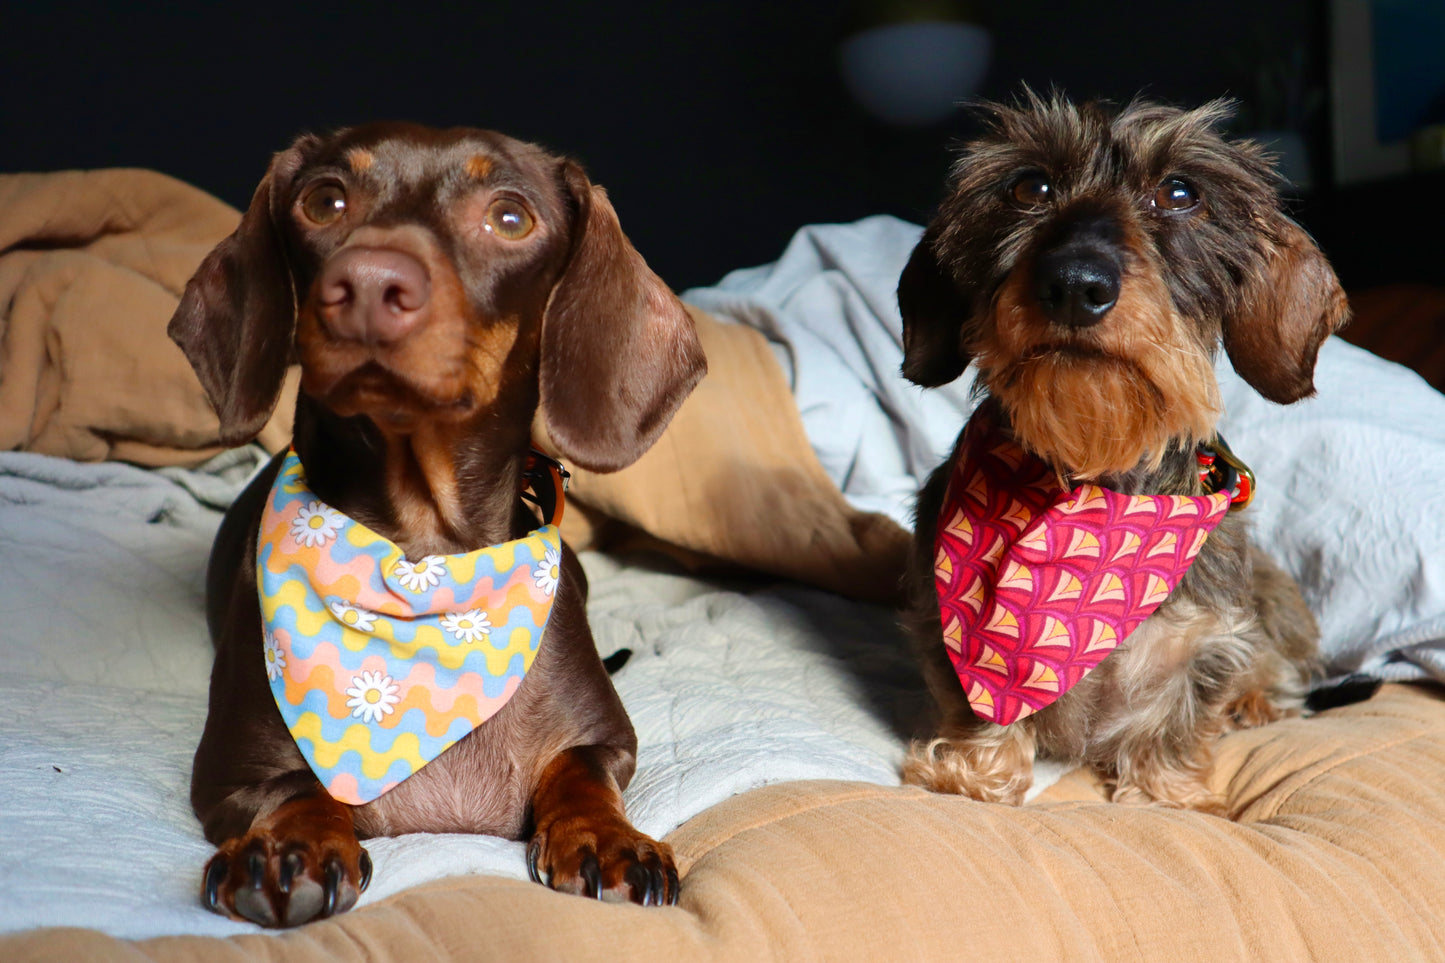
[104,676]
[1336,856]
[768,682]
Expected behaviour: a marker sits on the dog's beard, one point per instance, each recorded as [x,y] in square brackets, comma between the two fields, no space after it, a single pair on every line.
[1103,403]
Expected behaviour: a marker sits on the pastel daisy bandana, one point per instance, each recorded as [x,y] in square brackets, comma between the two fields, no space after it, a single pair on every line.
[379,663]
[1036,585]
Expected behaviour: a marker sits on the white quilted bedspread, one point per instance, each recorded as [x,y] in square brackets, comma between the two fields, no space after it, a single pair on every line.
[105,663]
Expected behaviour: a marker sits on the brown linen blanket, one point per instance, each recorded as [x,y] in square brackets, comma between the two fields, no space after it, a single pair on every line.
[92,264]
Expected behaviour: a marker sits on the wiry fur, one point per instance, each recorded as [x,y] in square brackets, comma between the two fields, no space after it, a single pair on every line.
[1122,401]
[1097,406]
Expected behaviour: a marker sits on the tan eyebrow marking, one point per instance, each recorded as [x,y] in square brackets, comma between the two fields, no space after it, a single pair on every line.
[360,159]
[478,166]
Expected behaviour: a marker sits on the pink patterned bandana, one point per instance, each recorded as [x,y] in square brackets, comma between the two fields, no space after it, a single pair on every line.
[1036,585]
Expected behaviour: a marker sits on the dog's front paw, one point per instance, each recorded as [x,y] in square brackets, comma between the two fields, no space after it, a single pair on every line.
[995,765]
[287,871]
[610,861]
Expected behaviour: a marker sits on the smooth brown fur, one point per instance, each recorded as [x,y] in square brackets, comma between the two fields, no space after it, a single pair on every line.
[1114,383]
[416,421]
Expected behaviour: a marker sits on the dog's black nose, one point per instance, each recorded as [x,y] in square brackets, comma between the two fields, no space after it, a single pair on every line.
[1076,288]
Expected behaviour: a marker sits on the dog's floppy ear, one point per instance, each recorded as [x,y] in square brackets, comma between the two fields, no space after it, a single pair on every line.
[237,316]
[619,351]
[933,314]
[1285,313]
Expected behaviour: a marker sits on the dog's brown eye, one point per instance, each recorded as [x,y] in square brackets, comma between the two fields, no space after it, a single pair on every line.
[508,219]
[324,203]
[1032,190]
[1175,195]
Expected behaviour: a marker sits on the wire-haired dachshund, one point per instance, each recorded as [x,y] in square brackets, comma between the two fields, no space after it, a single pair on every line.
[1082,585]
[401,641]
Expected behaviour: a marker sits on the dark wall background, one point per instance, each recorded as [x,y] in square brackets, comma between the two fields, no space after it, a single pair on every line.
[719,127]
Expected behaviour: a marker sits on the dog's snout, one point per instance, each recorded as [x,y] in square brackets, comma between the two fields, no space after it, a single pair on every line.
[1076,288]
[373,295]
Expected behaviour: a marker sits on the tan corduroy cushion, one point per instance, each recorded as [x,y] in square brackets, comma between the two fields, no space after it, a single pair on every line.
[734,477]
[1339,854]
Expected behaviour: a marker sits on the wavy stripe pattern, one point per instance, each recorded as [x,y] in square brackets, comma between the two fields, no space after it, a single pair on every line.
[384,662]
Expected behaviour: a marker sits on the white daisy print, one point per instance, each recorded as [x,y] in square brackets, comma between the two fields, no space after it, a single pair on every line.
[275,658]
[469,626]
[353,616]
[419,576]
[372,696]
[316,524]
[548,571]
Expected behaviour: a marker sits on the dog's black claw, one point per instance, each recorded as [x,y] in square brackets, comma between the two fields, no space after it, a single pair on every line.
[256,866]
[215,872]
[365,872]
[534,853]
[674,885]
[334,874]
[659,882]
[642,883]
[666,891]
[291,864]
[616,661]
[591,873]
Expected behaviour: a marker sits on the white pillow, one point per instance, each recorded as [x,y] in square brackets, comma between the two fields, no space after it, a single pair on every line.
[1352,502]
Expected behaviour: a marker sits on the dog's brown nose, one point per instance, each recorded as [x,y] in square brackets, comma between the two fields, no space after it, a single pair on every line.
[373,295]
[1076,288]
